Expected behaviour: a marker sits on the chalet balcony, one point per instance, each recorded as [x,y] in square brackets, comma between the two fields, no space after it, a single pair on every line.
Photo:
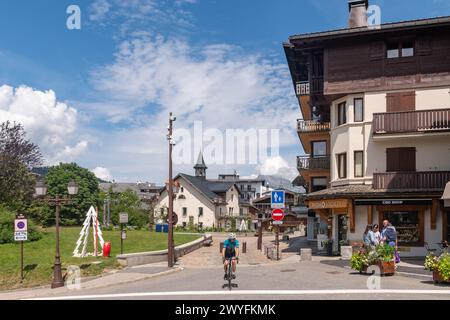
[311,126]
[313,163]
[411,180]
[410,122]
[305,88]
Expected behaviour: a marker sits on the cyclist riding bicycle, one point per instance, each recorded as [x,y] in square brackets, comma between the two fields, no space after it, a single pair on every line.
[230,250]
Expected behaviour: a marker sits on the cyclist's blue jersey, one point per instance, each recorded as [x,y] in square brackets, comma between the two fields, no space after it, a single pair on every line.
[229,246]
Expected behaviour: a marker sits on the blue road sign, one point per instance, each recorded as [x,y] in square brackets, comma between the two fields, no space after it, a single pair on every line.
[277,199]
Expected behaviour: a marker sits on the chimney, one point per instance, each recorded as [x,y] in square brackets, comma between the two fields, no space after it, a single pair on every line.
[358,13]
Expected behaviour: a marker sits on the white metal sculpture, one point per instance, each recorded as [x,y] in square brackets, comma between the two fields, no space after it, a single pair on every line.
[91,218]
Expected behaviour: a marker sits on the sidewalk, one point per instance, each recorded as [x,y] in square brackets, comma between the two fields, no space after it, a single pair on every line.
[115,277]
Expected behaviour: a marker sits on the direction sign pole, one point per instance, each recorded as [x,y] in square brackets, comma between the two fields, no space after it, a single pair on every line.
[277,243]
[21,261]
[259,234]
[121,238]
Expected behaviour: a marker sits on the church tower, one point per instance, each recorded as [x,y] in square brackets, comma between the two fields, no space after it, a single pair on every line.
[200,167]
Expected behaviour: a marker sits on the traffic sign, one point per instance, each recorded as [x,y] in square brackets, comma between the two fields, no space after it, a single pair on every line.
[277,199]
[124,235]
[20,225]
[21,236]
[123,217]
[277,214]
[277,222]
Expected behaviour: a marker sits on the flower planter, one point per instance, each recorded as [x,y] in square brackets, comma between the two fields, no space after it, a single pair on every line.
[437,278]
[386,268]
[346,252]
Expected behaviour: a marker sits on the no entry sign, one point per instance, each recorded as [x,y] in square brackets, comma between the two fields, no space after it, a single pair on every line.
[277,214]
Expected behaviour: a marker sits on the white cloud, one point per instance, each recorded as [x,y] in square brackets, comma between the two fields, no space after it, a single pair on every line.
[102,173]
[279,167]
[49,123]
[99,9]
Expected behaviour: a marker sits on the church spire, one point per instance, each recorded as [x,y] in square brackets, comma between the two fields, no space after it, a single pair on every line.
[200,167]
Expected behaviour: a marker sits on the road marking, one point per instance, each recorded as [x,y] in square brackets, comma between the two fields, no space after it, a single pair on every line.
[244,292]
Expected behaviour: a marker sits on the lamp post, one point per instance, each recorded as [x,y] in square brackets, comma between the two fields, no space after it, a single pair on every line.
[170,244]
[57,201]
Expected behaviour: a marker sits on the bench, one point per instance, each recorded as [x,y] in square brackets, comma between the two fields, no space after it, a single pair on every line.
[208,242]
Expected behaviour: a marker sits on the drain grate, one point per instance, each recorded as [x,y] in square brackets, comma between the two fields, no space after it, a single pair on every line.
[288,270]
[334,272]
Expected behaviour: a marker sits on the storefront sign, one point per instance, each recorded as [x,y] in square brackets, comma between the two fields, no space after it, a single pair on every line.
[328,204]
[392,202]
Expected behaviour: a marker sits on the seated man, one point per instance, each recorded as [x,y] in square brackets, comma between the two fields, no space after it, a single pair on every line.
[230,250]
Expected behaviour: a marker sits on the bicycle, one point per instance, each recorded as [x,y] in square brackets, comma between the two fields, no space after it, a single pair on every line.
[230,275]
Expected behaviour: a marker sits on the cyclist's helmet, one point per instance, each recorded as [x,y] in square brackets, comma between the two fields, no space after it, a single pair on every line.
[232,236]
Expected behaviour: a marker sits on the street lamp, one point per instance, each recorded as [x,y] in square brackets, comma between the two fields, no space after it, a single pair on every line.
[57,201]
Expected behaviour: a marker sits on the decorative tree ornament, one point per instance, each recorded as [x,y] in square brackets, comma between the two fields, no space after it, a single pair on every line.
[91,218]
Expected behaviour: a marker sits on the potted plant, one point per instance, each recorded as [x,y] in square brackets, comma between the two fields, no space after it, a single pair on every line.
[381,256]
[440,266]
[328,245]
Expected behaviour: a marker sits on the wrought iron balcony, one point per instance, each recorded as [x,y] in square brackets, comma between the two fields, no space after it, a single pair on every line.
[313,163]
[422,121]
[308,126]
[411,180]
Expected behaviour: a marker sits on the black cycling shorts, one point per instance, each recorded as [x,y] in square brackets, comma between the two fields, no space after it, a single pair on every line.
[229,255]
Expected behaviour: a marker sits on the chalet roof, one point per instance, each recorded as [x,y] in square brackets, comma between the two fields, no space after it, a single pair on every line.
[119,187]
[367,191]
[349,32]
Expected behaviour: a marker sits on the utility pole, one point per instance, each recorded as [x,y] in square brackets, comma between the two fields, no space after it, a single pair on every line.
[170,246]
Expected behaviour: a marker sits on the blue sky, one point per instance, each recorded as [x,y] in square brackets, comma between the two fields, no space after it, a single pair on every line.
[100,95]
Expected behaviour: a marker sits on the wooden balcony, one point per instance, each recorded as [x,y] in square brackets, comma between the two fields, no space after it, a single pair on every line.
[313,163]
[411,180]
[305,88]
[310,126]
[422,121]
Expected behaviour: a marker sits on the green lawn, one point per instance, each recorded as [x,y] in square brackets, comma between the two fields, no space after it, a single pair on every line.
[39,255]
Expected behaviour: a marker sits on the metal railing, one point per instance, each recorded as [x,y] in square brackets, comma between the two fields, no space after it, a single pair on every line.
[313,163]
[305,126]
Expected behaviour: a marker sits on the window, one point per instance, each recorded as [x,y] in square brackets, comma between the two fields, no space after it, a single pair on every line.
[162,211]
[342,115]
[242,187]
[220,211]
[249,187]
[408,49]
[232,197]
[200,211]
[402,49]
[184,224]
[400,159]
[408,226]
[230,211]
[393,50]
[359,110]
[342,165]
[182,189]
[241,211]
[359,164]
[319,148]
[184,211]
[318,184]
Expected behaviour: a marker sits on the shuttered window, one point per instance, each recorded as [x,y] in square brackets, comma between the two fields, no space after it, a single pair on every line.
[401,101]
[400,159]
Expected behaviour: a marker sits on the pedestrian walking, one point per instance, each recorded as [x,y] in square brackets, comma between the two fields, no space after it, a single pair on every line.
[369,237]
[377,234]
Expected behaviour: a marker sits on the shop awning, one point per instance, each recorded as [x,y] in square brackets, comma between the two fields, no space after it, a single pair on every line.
[446,195]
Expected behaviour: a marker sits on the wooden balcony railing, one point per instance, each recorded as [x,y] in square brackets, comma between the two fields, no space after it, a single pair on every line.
[304,88]
[436,120]
[313,163]
[306,126]
[411,180]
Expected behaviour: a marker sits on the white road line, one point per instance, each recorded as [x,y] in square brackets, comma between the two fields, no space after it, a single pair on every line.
[244,292]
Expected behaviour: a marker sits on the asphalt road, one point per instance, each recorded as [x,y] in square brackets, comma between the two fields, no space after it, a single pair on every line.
[286,280]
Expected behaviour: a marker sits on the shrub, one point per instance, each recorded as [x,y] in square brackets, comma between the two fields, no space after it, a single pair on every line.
[7,227]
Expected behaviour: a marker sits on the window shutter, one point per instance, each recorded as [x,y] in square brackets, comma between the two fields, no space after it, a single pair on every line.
[424,46]
[401,101]
[391,160]
[400,159]
[377,51]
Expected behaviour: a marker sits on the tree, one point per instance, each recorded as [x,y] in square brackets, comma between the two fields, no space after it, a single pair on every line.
[14,145]
[17,156]
[88,194]
[128,201]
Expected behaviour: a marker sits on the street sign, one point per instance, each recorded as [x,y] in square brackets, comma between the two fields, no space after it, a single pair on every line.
[277,199]
[20,225]
[124,235]
[277,222]
[277,214]
[123,217]
[21,236]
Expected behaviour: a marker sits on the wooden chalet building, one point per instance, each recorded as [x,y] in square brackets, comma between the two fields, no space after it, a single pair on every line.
[375,102]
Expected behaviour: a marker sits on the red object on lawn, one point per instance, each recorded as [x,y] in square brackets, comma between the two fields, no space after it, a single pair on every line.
[277,214]
[106,249]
